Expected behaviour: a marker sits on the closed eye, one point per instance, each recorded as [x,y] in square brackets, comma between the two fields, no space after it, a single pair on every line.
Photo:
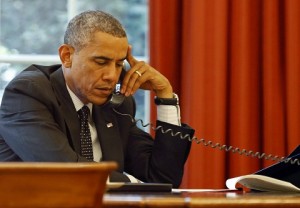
[101,63]
[120,64]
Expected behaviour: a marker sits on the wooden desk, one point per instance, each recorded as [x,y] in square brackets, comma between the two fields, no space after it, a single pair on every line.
[53,185]
[223,199]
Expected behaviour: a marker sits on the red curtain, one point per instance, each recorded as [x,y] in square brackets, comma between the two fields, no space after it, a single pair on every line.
[236,67]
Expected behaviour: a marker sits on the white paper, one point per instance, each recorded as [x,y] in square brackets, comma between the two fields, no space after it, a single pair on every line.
[261,183]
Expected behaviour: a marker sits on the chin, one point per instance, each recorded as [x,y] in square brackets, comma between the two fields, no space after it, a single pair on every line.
[99,101]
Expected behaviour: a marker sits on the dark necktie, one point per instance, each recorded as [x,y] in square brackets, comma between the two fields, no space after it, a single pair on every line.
[85,134]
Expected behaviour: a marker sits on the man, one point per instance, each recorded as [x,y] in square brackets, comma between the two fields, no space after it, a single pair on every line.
[39,120]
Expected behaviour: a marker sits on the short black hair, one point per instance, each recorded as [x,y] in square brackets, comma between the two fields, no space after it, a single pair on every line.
[82,27]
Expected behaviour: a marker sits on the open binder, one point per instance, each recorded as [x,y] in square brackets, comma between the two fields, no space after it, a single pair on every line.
[282,176]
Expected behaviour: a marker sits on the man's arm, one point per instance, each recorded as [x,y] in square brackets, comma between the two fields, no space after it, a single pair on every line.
[158,160]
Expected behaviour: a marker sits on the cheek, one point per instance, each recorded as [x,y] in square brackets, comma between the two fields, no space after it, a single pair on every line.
[91,81]
[81,81]
[87,82]
[85,75]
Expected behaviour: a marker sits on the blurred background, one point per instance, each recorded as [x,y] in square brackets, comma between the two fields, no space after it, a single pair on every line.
[32,30]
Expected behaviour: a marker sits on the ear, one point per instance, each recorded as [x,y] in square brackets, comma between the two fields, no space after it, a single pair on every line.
[65,54]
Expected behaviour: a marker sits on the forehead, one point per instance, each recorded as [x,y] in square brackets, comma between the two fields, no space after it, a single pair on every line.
[107,45]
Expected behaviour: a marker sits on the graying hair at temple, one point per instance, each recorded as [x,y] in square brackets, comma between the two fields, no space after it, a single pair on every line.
[81,28]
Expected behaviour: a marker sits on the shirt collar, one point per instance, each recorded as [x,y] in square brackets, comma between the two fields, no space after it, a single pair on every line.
[77,102]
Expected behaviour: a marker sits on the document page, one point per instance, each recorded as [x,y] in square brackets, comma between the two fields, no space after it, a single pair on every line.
[261,183]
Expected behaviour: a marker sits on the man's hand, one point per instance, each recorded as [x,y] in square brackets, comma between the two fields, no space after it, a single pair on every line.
[143,76]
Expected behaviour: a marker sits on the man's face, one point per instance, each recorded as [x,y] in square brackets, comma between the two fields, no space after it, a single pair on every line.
[96,68]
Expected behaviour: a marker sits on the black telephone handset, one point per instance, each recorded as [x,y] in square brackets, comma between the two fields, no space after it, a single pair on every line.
[117,98]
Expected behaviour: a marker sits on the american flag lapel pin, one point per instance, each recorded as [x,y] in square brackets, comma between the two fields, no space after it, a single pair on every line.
[109,125]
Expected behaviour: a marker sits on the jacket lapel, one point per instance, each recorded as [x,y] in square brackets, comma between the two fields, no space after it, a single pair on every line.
[108,134]
[103,116]
[67,108]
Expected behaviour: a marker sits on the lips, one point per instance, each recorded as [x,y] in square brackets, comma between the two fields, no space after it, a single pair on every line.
[105,90]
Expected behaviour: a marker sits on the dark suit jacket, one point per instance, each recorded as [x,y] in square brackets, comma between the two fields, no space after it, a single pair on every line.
[38,122]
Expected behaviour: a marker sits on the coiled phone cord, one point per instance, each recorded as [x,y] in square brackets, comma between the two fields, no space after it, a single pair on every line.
[226,148]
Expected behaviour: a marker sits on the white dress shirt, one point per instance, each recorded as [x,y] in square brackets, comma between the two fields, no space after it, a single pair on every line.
[95,141]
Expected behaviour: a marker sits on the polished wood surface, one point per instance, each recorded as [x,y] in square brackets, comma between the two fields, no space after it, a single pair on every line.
[210,199]
[74,185]
[59,185]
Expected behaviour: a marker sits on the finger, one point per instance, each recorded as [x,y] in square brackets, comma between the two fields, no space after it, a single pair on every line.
[132,79]
[140,82]
[134,84]
[131,60]
[137,82]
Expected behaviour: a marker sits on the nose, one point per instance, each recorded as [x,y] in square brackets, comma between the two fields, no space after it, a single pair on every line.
[111,73]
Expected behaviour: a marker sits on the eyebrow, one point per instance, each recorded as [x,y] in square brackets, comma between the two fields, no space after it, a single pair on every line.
[107,58]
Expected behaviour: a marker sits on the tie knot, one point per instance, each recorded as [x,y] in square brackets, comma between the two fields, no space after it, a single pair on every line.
[84,112]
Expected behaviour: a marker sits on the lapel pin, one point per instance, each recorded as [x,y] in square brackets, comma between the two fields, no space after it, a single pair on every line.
[109,125]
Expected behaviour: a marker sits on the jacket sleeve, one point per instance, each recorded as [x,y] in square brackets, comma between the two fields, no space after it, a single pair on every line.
[160,159]
[27,123]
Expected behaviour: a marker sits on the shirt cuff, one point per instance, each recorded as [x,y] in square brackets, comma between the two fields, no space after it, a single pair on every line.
[169,114]
[132,178]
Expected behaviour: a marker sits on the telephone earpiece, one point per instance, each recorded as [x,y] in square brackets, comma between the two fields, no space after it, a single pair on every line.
[117,98]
